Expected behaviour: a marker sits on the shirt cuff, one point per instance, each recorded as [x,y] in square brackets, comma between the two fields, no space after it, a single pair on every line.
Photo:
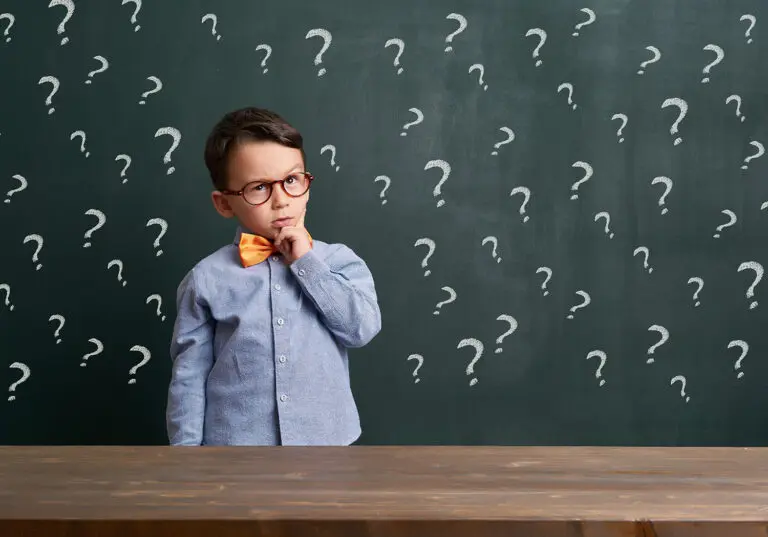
[308,265]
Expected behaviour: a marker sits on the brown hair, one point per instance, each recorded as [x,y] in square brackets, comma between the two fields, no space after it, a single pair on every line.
[245,125]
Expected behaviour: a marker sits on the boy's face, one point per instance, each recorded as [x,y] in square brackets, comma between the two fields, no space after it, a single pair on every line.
[262,161]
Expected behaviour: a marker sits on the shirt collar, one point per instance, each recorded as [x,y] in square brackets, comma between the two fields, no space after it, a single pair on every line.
[238,233]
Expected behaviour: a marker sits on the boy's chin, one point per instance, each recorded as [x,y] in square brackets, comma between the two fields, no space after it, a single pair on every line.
[267,233]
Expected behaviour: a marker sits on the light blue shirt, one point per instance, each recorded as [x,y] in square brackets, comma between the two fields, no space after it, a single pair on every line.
[260,353]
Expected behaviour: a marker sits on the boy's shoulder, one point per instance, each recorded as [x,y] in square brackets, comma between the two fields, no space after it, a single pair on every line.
[224,265]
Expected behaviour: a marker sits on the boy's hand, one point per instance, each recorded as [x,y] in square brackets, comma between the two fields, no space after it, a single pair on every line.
[293,241]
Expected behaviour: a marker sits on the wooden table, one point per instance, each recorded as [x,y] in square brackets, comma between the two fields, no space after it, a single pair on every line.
[416,491]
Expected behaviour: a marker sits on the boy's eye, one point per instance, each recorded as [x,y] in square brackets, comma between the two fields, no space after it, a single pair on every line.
[256,187]
[291,179]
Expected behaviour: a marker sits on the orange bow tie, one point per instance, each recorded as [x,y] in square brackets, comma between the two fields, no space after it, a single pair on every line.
[254,249]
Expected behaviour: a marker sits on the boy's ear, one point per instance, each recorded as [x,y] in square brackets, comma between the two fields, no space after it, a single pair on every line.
[221,203]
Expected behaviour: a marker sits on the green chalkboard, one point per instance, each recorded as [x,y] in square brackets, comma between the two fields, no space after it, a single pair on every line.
[497,164]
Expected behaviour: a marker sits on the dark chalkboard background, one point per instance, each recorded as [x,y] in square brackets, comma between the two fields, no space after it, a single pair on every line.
[541,388]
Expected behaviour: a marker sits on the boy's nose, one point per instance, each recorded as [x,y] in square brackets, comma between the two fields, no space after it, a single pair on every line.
[279,197]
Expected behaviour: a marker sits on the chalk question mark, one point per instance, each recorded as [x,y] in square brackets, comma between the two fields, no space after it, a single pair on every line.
[760,152]
[568,86]
[548,272]
[214,21]
[268,51]
[744,350]
[446,168]
[542,35]
[327,38]
[420,359]
[495,242]
[664,333]
[683,107]
[607,217]
[510,136]
[387,181]
[682,381]
[700,284]
[332,149]
[478,346]
[451,298]
[752,20]
[176,135]
[512,327]
[11,19]
[719,57]
[526,192]
[732,220]
[656,57]
[591,17]
[588,172]
[479,67]
[586,301]
[430,244]
[159,300]
[104,67]
[419,119]
[401,47]
[119,264]
[127,160]
[758,269]
[54,82]
[163,228]
[668,187]
[158,86]
[603,358]
[99,350]
[34,237]
[25,373]
[7,288]
[136,10]
[81,135]
[101,220]
[22,186]
[624,120]
[644,250]
[738,105]
[462,26]
[69,5]
[61,321]
[146,357]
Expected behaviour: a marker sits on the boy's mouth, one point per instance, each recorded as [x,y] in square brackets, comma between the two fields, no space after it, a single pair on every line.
[282,222]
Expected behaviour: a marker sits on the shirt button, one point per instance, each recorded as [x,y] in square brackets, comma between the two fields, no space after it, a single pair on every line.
[282,358]
[280,321]
[283,398]
[274,258]
[277,287]
[301,272]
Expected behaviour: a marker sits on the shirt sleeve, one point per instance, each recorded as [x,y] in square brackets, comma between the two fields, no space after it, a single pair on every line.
[341,288]
[192,356]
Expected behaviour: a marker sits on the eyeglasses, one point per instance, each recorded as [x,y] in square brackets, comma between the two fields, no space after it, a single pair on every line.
[259,192]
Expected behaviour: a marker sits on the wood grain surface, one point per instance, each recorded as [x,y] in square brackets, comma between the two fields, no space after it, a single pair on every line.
[414,491]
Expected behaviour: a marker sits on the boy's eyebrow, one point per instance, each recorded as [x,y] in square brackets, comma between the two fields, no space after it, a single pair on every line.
[293,169]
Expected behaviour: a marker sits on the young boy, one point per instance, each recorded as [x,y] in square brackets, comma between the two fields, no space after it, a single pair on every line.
[263,325]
